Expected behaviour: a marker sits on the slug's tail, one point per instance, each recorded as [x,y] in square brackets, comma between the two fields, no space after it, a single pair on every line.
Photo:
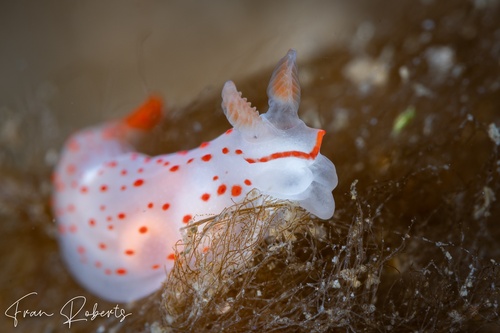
[147,116]
[91,148]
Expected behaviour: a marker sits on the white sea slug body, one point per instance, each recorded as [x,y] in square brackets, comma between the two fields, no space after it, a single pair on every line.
[119,212]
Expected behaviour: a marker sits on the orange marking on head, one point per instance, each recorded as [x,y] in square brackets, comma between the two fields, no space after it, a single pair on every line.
[295,153]
[147,115]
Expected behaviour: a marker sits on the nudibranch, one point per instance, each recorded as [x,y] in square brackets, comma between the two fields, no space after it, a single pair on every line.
[119,212]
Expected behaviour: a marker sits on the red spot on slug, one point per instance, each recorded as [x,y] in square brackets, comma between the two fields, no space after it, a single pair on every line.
[129,252]
[121,271]
[174,168]
[150,205]
[92,222]
[123,188]
[71,168]
[138,182]
[225,150]
[84,189]
[206,157]
[102,246]
[186,218]
[204,144]
[143,230]
[238,151]
[247,182]
[121,216]
[190,160]
[229,131]
[103,188]
[171,256]
[236,190]
[205,197]
[215,178]
[74,145]
[222,189]
[72,228]
[165,206]
[81,250]
[155,266]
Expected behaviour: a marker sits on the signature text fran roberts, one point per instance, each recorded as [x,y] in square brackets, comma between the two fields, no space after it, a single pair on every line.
[72,311]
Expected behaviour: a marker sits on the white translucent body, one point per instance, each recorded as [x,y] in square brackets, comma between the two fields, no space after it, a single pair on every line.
[119,212]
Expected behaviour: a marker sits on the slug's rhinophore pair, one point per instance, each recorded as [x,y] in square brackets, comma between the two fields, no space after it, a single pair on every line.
[119,212]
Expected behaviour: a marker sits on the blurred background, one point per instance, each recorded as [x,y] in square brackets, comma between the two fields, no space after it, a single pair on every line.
[97,55]
[408,92]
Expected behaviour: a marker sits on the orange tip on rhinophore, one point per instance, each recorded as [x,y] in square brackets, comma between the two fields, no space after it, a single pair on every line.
[147,116]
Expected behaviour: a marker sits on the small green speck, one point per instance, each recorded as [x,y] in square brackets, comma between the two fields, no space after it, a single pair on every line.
[403,119]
